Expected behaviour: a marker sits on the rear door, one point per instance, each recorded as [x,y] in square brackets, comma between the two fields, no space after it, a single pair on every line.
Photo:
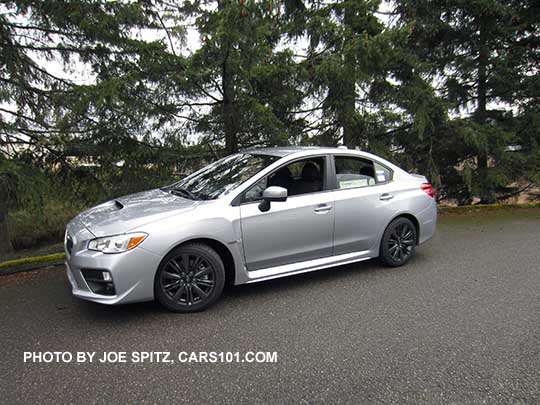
[363,190]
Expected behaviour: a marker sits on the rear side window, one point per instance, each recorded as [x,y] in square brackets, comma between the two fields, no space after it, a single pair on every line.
[382,173]
[353,172]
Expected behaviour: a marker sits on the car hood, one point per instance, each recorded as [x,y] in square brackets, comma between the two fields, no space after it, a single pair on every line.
[126,213]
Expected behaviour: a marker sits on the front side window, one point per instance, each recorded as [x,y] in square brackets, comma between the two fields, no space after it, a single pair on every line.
[223,176]
[354,172]
[300,177]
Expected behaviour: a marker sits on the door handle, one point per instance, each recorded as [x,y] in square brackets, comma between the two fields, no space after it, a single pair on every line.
[322,208]
[386,197]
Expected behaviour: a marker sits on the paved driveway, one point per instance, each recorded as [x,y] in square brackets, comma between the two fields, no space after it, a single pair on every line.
[460,323]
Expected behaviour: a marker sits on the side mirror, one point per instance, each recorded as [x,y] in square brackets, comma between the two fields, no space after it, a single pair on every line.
[272,193]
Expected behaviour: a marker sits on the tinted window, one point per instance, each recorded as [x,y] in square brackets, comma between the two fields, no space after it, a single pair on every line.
[300,177]
[219,178]
[382,174]
[354,172]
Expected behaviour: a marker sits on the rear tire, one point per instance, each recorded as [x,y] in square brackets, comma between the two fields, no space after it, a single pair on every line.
[398,242]
[190,278]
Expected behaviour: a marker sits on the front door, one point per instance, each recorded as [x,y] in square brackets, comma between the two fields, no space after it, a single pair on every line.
[295,230]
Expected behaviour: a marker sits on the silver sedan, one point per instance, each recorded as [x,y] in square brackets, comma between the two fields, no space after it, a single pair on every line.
[252,216]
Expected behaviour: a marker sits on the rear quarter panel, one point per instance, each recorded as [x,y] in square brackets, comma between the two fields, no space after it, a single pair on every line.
[410,199]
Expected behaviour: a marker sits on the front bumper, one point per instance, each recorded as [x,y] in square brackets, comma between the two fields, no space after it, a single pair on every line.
[132,274]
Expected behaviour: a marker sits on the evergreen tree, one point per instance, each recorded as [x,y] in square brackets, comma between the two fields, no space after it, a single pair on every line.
[482,54]
[344,56]
[238,88]
[42,106]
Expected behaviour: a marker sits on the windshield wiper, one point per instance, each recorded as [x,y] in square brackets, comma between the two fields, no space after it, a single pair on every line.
[182,192]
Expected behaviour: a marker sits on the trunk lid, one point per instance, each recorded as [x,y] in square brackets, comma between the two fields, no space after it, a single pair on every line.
[419,177]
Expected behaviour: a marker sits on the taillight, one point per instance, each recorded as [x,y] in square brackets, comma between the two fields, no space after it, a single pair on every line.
[428,189]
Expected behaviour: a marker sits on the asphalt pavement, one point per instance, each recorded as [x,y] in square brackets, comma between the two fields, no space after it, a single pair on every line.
[460,323]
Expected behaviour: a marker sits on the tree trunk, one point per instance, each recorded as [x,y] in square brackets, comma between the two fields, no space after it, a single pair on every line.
[486,195]
[229,110]
[5,241]
[349,105]
[347,115]
[230,127]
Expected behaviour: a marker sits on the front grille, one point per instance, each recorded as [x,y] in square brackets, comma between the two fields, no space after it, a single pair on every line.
[69,243]
[95,280]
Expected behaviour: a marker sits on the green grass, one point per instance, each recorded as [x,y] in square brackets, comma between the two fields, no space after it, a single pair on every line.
[32,260]
[484,208]
[44,250]
[31,228]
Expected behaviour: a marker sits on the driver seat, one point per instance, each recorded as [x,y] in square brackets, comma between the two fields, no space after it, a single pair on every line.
[310,180]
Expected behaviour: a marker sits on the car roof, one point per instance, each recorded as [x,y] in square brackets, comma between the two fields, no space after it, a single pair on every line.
[301,151]
[282,151]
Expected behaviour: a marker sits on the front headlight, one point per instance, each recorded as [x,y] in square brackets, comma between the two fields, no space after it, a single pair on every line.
[117,243]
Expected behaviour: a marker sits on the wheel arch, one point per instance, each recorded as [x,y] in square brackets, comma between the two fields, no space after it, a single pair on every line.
[221,249]
[413,219]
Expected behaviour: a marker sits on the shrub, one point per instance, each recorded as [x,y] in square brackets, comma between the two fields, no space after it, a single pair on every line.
[33,227]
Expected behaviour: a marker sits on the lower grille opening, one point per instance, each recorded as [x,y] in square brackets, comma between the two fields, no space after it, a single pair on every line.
[99,281]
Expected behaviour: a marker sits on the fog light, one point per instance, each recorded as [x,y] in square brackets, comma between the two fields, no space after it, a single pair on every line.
[99,281]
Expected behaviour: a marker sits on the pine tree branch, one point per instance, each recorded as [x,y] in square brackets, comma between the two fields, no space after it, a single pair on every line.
[25,117]
[42,29]
[167,33]
[516,192]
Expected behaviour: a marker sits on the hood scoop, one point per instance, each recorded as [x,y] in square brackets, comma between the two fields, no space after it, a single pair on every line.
[131,211]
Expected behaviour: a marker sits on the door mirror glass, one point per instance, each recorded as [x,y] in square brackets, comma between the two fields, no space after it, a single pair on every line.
[272,193]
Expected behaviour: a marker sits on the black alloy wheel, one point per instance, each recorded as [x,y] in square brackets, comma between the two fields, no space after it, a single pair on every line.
[398,242]
[190,278]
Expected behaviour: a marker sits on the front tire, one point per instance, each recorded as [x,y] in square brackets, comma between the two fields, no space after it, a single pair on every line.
[190,278]
[398,242]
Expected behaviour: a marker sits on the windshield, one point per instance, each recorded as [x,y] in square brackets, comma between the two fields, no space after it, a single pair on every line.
[219,178]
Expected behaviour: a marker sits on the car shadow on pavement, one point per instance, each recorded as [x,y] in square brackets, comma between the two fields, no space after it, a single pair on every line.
[123,313]
[303,280]
[308,280]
